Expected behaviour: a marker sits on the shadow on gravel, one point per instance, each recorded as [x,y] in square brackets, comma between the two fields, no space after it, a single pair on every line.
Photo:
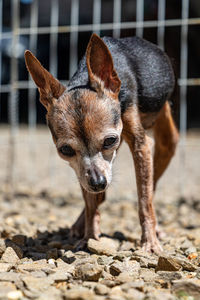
[52,245]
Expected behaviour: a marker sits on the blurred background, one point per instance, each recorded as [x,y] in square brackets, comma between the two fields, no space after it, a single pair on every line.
[57,32]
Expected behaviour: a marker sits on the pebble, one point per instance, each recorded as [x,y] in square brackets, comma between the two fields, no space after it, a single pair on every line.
[166,263]
[12,255]
[101,289]
[88,271]
[104,246]
[189,286]
[14,295]
[46,266]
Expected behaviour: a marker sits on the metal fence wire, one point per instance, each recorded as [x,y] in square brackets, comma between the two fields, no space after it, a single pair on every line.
[74,29]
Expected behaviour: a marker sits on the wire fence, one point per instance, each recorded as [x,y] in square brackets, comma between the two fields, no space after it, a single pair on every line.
[73,29]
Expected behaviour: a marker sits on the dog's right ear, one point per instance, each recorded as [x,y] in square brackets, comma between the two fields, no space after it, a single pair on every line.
[49,87]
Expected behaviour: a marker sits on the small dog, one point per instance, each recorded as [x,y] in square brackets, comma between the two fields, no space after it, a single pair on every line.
[121,88]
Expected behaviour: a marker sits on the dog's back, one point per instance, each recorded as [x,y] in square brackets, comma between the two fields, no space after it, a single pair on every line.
[144,70]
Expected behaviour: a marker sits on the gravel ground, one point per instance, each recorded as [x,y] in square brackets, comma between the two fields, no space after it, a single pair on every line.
[38,260]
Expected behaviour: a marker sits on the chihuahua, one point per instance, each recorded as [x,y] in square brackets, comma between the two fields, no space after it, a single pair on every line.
[121,88]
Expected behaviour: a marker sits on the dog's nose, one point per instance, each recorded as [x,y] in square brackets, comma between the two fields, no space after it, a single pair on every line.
[97,181]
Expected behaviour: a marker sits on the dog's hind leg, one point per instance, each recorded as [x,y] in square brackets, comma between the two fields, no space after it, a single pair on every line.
[166,138]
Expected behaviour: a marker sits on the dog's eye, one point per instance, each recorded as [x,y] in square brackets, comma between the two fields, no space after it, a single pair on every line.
[67,150]
[110,142]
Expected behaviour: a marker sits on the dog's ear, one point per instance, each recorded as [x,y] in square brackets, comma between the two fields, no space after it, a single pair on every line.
[102,74]
[49,87]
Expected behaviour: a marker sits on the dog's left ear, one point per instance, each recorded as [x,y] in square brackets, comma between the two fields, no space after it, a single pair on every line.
[102,74]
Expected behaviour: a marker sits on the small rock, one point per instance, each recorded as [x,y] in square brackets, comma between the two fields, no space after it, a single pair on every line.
[131,267]
[190,286]
[185,264]
[166,263]
[5,288]
[104,246]
[69,257]
[139,285]
[148,275]
[14,295]
[19,239]
[146,260]
[2,246]
[169,276]
[9,276]
[36,284]
[104,260]
[101,289]
[122,254]
[88,272]
[190,250]
[5,267]
[79,294]
[12,254]
[35,266]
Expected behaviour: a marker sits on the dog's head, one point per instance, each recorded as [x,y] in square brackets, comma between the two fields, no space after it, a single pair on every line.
[85,122]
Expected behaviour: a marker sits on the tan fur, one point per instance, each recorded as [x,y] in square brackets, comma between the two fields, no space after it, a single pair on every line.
[166,138]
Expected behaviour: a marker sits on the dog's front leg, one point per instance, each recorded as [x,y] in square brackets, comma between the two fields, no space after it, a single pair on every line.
[141,148]
[91,217]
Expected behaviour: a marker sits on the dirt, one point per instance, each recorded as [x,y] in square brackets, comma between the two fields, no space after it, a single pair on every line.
[37,256]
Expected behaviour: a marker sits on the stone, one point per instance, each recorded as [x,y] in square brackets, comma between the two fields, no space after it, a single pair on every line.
[88,272]
[79,294]
[14,295]
[2,246]
[145,259]
[10,276]
[68,257]
[104,246]
[104,260]
[189,286]
[37,284]
[166,263]
[51,294]
[122,255]
[34,266]
[148,275]
[12,254]
[101,289]
[139,285]
[116,293]
[118,267]
[5,267]
[157,295]
[19,239]
[169,275]
[185,264]
[5,289]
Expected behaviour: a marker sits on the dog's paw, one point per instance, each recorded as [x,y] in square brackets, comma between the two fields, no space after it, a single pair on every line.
[76,232]
[152,246]
[81,245]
